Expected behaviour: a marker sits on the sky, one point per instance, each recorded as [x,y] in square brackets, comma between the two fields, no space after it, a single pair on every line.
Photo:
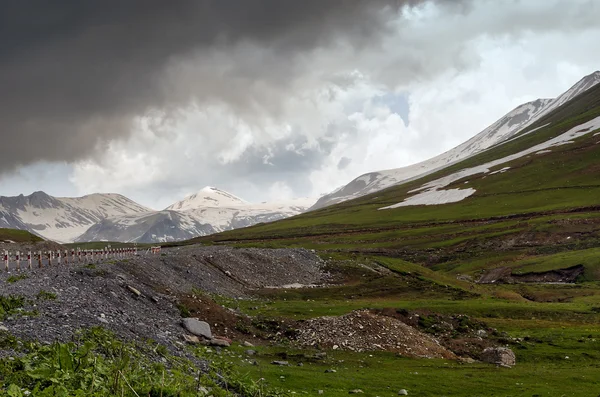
[266,99]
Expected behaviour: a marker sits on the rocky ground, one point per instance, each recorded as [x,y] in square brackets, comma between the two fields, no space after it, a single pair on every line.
[138,297]
[363,331]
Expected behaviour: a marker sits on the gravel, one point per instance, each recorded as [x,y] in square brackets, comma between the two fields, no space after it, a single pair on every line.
[365,331]
[136,297]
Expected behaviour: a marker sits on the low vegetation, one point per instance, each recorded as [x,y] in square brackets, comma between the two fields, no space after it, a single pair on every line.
[18,236]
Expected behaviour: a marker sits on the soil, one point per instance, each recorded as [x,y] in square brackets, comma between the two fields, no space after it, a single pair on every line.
[505,275]
[366,331]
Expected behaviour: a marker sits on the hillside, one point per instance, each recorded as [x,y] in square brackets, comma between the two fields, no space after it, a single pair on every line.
[523,202]
[502,130]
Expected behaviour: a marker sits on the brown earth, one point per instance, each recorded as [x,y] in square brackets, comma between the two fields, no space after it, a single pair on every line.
[505,275]
[363,330]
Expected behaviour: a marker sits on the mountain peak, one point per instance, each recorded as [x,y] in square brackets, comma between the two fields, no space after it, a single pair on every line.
[208,196]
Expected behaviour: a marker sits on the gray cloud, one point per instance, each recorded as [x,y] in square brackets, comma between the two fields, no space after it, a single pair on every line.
[343,163]
[75,74]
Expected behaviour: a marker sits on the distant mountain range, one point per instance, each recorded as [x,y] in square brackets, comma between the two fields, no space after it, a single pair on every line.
[501,131]
[112,217]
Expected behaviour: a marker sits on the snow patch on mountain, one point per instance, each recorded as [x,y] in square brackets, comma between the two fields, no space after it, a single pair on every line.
[434,189]
[434,197]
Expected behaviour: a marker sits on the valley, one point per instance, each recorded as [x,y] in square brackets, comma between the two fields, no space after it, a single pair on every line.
[408,290]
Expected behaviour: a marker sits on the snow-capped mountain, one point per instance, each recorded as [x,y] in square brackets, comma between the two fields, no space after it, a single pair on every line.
[209,211]
[62,219]
[502,130]
[207,197]
[112,217]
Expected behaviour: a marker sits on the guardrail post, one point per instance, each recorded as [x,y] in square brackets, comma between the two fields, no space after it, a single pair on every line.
[40,259]
[29,260]
[18,261]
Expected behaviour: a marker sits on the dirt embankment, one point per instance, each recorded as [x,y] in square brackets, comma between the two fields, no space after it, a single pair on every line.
[506,275]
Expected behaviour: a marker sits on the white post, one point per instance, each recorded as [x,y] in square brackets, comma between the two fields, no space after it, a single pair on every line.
[18,261]
[40,259]
[29,259]
[49,258]
[58,257]
[6,260]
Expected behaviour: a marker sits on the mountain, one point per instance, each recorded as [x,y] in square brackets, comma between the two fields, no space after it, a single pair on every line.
[525,210]
[62,219]
[502,130]
[112,217]
[207,197]
[209,211]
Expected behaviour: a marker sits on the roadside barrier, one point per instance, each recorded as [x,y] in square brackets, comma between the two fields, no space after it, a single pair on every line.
[14,261]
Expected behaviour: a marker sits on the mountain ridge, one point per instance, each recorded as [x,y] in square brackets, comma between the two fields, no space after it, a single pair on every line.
[503,129]
[114,217]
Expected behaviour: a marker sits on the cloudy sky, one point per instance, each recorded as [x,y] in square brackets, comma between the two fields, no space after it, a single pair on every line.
[267,99]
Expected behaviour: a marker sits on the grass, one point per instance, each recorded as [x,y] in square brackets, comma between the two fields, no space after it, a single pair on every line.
[45,295]
[16,277]
[10,305]
[384,374]
[98,364]
[18,236]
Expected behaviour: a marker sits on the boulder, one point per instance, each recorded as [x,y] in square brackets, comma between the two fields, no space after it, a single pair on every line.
[197,327]
[282,363]
[219,342]
[402,392]
[499,355]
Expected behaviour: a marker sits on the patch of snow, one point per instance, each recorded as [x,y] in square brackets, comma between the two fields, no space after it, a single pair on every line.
[434,197]
[501,171]
[543,151]
[596,134]
[428,197]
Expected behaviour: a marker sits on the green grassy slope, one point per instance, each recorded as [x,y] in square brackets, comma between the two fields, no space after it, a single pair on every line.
[18,236]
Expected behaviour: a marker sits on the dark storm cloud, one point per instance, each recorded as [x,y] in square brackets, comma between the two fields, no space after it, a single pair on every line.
[74,74]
